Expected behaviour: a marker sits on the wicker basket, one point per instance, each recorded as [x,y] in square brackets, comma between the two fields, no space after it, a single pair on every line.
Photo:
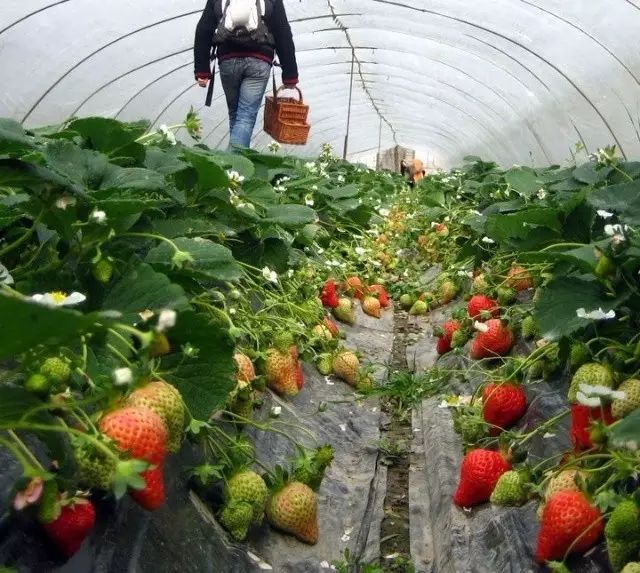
[285,118]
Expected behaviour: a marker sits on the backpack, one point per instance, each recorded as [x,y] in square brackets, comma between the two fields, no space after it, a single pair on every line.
[243,23]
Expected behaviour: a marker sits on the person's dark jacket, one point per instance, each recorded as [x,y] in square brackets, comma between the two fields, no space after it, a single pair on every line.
[278,25]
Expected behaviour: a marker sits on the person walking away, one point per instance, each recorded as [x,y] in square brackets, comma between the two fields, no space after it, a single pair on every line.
[247,34]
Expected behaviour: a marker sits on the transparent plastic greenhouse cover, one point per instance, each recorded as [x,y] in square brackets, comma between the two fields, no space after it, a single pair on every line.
[517,81]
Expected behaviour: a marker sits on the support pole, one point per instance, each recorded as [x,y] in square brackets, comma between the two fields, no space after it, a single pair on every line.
[346,137]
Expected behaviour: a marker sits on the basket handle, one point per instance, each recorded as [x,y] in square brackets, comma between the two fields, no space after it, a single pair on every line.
[284,87]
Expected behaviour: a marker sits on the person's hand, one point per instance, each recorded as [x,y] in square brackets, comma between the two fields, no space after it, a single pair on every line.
[203,82]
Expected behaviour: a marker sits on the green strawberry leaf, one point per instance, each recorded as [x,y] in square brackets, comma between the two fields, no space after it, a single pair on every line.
[142,289]
[290,215]
[25,324]
[556,310]
[111,137]
[206,374]
[209,260]
[523,180]
[13,139]
[622,199]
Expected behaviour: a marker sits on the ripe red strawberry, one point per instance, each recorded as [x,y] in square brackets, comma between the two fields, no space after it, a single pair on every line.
[444,340]
[138,431]
[355,287]
[569,524]
[383,296]
[371,306]
[329,294]
[479,473]
[496,341]
[479,304]
[503,405]
[281,369]
[72,526]
[581,419]
[518,278]
[334,329]
[152,496]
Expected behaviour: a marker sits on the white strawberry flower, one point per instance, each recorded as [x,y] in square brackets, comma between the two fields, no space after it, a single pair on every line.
[488,240]
[166,320]
[360,251]
[270,275]
[58,298]
[64,202]
[99,217]
[235,177]
[122,376]
[598,314]
[275,411]
[604,214]
[308,200]
[384,212]
[541,194]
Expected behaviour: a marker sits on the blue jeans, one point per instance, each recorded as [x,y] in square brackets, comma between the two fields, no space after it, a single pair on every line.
[244,81]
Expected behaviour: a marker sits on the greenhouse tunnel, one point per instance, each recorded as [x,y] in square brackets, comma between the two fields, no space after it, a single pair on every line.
[498,99]
[521,80]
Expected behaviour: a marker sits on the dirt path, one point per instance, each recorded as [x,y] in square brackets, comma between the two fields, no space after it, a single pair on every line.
[395,448]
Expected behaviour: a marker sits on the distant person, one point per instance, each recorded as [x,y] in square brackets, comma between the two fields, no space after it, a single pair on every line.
[246,35]
[413,171]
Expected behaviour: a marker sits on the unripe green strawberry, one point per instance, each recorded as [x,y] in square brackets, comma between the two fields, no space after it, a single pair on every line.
[294,509]
[419,308]
[247,486]
[593,374]
[242,406]
[447,291]
[38,384]
[165,400]
[621,407]
[624,521]
[49,504]
[480,285]
[56,369]
[324,364]
[632,567]
[471,426]
[364,382]
[102,271]
[604,267]
[236,517]
[621,551]
[536,369]
[406,301]
[579,354]
[459,339]
[550,367]
[345,312]
[530,327]
[346,366]
[95,469]
[506,295]
[510,489]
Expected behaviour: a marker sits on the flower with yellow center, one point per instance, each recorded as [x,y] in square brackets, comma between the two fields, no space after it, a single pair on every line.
[58,298]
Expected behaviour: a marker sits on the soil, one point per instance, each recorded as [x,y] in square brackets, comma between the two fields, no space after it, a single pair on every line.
[395,544]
